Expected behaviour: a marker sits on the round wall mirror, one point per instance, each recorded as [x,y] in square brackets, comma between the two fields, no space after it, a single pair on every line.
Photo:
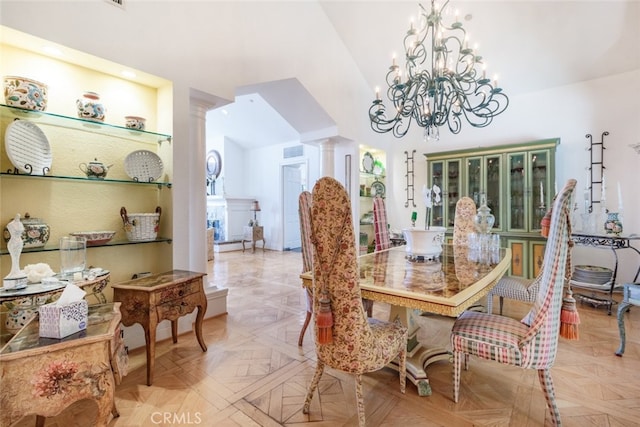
[214,164]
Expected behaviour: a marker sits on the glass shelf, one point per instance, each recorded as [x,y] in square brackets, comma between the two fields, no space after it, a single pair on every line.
[57,120]
[84,179]
[49,248]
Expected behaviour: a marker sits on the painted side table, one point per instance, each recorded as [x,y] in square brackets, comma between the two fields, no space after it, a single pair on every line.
[253,234]
[165,296]
[631,294]
[43,376]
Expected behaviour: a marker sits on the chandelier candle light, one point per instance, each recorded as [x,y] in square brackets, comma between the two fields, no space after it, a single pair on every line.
[444,81]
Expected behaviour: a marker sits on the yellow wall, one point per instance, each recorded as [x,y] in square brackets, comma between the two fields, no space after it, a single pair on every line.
[84,205]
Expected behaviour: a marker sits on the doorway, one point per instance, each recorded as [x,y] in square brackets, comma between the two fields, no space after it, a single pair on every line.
[294,181]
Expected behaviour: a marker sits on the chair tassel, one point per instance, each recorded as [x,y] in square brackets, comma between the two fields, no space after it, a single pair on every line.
[569,318]
[324,320]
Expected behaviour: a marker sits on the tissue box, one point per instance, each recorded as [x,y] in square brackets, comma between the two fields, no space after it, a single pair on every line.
[59,321]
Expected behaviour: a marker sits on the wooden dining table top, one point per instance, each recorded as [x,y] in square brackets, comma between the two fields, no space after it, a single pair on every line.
[446,286]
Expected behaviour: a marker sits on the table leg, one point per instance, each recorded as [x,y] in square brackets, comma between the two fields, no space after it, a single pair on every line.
[418,356]
[174,330]
[150,338]
[621,309]
[199,318]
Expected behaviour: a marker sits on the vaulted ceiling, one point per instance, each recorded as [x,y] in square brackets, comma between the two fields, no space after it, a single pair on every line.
[532,45]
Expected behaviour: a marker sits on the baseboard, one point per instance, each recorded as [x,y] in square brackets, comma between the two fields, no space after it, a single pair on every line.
[228,246]
[216,305]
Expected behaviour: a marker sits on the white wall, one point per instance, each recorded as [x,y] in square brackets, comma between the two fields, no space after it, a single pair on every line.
[218,46]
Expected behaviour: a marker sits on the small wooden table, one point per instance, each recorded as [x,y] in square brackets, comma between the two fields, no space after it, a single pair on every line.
[43,376]
[165,296]
[253,234]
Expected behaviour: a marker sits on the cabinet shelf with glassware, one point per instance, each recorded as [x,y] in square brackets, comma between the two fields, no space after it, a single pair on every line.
[518,180]
[47,172]
[372,179]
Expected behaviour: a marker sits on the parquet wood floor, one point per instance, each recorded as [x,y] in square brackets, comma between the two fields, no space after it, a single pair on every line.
[254,374]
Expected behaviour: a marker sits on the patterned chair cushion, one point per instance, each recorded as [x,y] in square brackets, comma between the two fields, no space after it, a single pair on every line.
[490,337]
[516,288]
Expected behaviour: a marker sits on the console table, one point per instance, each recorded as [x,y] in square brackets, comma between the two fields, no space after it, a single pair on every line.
[253,234]
[604,241]
[165,296]
[43,376]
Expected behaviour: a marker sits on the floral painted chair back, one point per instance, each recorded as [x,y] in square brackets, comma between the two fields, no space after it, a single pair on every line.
[358,344]
[463,223]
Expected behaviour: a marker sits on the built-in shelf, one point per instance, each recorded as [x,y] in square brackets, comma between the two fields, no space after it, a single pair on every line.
[49,248]
[57,120]
[85,179]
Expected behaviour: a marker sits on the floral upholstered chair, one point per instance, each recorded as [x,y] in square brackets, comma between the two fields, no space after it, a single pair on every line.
[352,342]
[304,210]
[532,342]
[463,223]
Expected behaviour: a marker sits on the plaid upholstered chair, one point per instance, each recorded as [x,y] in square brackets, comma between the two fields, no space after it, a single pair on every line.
[380,224]
[358,344]
[516,288]
[304,210]
[463,223]
[531,343]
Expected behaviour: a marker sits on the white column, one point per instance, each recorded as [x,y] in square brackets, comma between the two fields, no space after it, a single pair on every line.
[327,157]
[199,104]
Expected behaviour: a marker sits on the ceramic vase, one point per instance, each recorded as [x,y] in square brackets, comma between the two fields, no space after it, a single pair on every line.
[90,108]
[424,243]
[613,225]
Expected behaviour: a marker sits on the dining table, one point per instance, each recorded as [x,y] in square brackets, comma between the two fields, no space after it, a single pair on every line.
[445,285]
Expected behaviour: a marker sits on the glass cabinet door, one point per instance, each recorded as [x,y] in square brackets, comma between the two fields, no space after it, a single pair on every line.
[437,178]
[539,187]
[493,189]
[517,192]
[453,190]
[474,178]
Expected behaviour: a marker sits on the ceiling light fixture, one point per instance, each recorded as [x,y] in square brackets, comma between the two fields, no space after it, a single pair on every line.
[444,82]
[128,74]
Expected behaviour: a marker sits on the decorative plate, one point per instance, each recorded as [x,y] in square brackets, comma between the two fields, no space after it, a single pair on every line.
[143,166]
[214,164]
[28,148]
[378,189]
[367,162]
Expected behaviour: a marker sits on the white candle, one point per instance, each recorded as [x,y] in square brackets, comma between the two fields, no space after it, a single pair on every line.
[619,198]
[604,190]
[541,194]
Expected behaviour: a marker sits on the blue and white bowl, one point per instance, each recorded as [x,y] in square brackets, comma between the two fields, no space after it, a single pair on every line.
[25,93]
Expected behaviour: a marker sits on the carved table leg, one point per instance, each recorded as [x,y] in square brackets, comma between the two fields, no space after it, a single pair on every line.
[174,330]
[199,318]
[150,338]
[621,309]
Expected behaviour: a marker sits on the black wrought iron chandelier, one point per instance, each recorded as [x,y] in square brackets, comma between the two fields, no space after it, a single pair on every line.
[444,82]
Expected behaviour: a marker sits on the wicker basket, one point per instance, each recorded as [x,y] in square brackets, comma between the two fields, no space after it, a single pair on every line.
[141,226]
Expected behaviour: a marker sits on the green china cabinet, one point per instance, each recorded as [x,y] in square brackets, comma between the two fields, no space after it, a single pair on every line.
[519,183]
